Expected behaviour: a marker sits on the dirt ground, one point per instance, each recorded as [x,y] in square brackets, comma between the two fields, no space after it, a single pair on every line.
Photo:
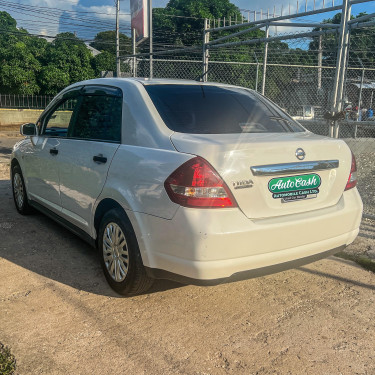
[59,316]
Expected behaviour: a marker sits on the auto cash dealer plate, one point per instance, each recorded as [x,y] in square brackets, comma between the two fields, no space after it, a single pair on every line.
[293,188]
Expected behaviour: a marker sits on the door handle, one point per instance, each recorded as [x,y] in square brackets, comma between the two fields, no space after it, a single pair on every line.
[53,151]
[99,159]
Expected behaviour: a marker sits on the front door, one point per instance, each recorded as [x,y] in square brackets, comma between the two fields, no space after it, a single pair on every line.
[41,158]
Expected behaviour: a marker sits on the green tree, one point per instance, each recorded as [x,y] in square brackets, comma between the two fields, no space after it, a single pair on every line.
[7,22]
[65,61]
[181,21]
[31,65]
[106,41]
[19,64]
[52,79]
[105,61]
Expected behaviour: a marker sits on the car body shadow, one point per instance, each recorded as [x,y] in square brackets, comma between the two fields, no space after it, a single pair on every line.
[37,243]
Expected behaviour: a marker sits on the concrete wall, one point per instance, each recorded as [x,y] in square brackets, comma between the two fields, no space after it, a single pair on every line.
[14,117]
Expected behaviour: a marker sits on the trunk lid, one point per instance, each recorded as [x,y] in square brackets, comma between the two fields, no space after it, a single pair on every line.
[265,175]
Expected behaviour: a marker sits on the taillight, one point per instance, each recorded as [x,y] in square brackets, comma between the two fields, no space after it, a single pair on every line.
[352,180]
[197,184]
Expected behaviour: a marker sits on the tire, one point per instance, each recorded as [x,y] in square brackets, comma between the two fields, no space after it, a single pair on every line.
[119,255]
[19,192]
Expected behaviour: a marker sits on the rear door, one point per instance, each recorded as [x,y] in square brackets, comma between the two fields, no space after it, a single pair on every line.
[86,153]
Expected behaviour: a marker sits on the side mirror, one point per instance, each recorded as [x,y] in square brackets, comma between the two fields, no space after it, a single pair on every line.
[29,129]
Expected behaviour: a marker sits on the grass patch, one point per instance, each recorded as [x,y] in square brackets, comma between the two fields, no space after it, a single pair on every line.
[7,361]
[361,260]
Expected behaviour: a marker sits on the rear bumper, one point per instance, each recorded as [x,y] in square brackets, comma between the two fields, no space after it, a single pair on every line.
[243,275]
[216,245]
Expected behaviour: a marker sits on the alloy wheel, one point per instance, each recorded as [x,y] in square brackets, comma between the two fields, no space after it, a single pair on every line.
[18,190]
[115,252]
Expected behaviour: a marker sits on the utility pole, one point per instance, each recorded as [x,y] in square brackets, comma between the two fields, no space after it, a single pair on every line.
[118,68]
[151,41]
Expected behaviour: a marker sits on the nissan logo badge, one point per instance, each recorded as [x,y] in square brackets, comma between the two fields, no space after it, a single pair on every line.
[300,154]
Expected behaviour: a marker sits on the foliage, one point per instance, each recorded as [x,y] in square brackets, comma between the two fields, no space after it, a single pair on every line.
[105,61]
[66,60]
[188,31]
[19,64]
[7,361]
[53,79]
[186,27]
[362,43]
[31,65]
[106,41]
[7,22]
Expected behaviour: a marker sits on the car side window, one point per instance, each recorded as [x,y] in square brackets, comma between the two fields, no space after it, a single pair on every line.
[98,118]
[58,121]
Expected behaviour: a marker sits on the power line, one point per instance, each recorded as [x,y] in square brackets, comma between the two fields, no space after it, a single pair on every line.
[62,10]
[43,15]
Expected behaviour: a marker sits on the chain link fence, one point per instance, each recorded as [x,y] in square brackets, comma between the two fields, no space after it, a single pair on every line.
[304,90]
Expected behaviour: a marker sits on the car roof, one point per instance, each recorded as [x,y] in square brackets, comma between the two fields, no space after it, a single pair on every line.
[169,81]
[121,82]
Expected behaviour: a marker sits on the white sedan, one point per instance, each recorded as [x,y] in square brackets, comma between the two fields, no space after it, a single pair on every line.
[196,182]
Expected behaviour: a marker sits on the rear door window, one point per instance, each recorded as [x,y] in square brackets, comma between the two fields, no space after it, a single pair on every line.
[98,118]
[205,109]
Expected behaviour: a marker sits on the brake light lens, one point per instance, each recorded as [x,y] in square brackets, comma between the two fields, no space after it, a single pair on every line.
[352,180]
[197,184]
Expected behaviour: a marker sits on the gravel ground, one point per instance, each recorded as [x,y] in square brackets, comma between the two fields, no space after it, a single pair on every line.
[59,316]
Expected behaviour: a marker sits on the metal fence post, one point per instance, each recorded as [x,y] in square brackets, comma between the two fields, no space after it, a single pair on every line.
[320,61]
[257,73]
[206,39]
[360,94]
[151,75]
[118,67]
[134,52]
[344,65]
[342,50]
[265,59]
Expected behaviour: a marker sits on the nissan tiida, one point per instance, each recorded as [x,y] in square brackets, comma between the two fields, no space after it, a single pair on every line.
[201,183]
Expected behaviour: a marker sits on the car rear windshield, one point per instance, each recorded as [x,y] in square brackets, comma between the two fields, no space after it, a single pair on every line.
[206,109]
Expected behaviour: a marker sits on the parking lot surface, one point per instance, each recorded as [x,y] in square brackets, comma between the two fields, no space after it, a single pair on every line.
[59,316]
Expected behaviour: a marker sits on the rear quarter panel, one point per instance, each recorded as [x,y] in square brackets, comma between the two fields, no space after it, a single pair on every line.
[136,179]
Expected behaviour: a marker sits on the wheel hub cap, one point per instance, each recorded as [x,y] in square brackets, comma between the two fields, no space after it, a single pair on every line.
[18,189]
[115,252]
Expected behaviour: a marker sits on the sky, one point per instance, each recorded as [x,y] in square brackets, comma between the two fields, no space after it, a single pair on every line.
[88,17]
